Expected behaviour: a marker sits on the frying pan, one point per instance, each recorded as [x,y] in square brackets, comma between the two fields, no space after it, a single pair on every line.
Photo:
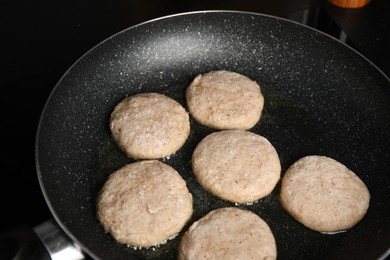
[321,97]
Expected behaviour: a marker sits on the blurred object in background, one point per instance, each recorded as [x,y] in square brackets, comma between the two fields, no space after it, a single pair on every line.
[350,3]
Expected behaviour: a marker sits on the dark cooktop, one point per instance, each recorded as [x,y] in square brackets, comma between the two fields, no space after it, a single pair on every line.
[41,40]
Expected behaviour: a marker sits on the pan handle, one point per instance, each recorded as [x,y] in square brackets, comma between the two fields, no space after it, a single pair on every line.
[43,242]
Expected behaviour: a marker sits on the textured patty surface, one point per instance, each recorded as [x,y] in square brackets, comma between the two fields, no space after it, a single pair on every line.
[225,100]
[144,203]
[228,233]
[323,194]
[149,125]
[236,165]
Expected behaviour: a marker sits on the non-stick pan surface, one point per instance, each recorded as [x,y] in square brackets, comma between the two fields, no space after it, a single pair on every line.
[321,97]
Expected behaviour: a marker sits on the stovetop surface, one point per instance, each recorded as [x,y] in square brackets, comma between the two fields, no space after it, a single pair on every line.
[41,40]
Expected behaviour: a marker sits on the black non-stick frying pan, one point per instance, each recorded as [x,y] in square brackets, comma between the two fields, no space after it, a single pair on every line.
[321,97]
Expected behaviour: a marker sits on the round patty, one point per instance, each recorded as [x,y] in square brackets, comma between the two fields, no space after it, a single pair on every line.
[323,194]
[228,233]
[236,165]
[225,100]
[144,203]
[149,125]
